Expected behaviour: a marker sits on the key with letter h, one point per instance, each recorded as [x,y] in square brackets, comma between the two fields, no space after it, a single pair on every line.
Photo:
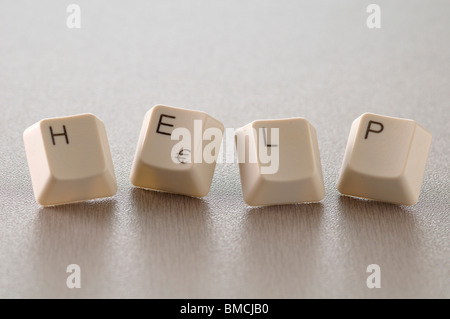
[279,162]
[69,160]
[177,151]
[385,159]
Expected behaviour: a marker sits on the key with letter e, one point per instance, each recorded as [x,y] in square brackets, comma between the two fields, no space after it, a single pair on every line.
[174,151]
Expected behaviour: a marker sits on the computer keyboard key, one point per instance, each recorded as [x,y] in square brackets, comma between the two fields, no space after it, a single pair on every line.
[69,160]
[177,151]
[279,162]
[385,159]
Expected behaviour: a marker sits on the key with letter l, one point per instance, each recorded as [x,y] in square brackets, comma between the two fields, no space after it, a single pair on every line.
[279,162]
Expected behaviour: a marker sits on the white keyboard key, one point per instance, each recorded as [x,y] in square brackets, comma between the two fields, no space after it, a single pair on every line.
[162,163]
[385,159]
[69,160]
[279,168]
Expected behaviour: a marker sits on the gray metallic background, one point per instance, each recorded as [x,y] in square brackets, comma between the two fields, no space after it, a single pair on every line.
[239,61]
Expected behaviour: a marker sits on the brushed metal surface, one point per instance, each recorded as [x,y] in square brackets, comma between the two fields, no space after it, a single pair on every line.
[239,61]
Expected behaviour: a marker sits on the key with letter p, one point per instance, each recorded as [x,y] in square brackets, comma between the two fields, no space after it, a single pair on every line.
[385,159]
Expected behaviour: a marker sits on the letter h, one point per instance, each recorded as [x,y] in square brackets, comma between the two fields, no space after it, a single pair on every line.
[59,134]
